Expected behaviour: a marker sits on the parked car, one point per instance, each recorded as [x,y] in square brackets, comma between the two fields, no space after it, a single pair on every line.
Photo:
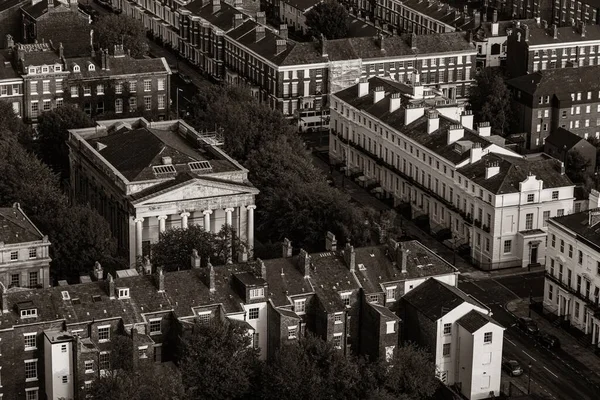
[528,325]
[185,78]
[512,367]
[549,341]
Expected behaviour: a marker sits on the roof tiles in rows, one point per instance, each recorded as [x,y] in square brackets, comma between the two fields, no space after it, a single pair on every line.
[562,138]
[123,65]
[538,35]
[579,223]
[330,276]
[285,279]
[15,227]
[474,321]
[513,171]
[441,12]
[302,5]
[558,81]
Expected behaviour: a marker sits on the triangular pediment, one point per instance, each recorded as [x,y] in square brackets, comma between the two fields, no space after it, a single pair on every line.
[195,189]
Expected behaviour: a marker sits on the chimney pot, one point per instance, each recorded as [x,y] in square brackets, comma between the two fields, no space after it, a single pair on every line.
[330,242]
[4,298]
[211,278]
[261,18]
[111,286]
[161,279]
[281,46]
[263,268]
[287,248]
[304,261]
[283,31]
[350,257]
[195,259]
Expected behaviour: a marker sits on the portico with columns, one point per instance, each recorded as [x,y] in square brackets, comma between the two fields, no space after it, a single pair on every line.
[198,201]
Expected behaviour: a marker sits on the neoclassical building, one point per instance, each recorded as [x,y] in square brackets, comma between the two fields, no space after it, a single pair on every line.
[147,177]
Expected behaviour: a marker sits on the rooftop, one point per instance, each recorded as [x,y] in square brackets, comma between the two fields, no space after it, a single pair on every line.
[558,81]
[474,321]
[485,29]
[538,35]
[434,299]
[564,139]
[15,227]
[6,69]
[302,5]
[513,171]
[584,224]
[441,12]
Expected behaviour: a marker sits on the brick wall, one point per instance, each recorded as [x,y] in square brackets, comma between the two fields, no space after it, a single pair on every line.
[10,20]
[68,27]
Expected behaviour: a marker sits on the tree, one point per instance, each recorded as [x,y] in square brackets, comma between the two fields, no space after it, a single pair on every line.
[576,166]
[329,19]
[218,361]
[309,369]
[53,135]
[12,126]
[490,100]
[112,29]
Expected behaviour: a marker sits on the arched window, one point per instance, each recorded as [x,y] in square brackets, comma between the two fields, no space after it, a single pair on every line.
[76,68]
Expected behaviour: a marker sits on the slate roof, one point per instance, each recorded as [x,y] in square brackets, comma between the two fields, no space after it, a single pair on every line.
[384,311]
[485,29]
[567,34]
[474,321]
[434,298]
[302,5]
[564,139]
[513,171]
[558,80]
[38,9]
[285,280]
[124,65]
[6,69]
[441,12]
[6,4]
[38,54]
[579,223]
[376,265]
[330,276]
[15,227]
[134,152]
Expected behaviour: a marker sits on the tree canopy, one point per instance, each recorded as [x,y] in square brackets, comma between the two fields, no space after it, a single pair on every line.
[490,100]
[53,135]
[329,19]
[113,29]
[576,166]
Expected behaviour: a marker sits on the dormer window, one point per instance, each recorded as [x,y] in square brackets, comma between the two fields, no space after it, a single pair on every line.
[45,69]
[123,293]
[57,68]
[76,68]
[27,309]
[31,70]
[29,313]
[257,293]
[91,67]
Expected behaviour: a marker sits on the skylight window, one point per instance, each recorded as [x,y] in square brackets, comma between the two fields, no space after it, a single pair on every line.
[160,170]
[65,295]
[197,166]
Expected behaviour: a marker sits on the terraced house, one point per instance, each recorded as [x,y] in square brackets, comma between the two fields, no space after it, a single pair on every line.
[296,78]
[418,148]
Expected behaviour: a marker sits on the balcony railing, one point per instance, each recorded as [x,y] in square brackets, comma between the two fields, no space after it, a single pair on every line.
[592,304]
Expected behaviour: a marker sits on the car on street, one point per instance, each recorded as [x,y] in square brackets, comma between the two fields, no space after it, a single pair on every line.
[549,341]
[512,367]
[185,78]
[528,325]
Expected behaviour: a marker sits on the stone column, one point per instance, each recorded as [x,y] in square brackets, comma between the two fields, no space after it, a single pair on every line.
[250,236]
[184,219]
[138,236]
[207,219]
[228,220]
[228,214]
[162,223]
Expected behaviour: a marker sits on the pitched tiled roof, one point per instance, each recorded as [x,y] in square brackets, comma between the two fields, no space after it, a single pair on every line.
[330,276]
[285,280]
[564,139]
[124,65]
[441,12]
[38,9]
[434,298]
[38,54]
[377,265]
[6,4]
[558,80]
[513,171]
[15,227]
[566,34]
[302,5]
[6,69]
[579,223]
[485,29]
[474,321]
[134,152]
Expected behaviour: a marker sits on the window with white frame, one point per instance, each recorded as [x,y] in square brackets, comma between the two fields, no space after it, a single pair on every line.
[89,366]
[530,198]
[292,332]
[32,252]
[161,101]
[14,256]
[45,87]
[33,86]
[255,340]
[390,327]
[143,351]
[148,103]
[154,326]
[253,313]
[346,298]
[87,90]
[118,88]
[161,84]
[31,393]
[529,221]
[257,293]
[123,293]
[446,350]
[104,333]
[447,329]
[300,306]
[29,313]
[337,340]
[87,385]
[204,317]
[100,89]
[390,294]
[46,105]
[487,338]
[132,86]
[147,85]
[337,318]
[31,372]
[30,341]
[132,104]
[104,361]
[119,106]
[507,246]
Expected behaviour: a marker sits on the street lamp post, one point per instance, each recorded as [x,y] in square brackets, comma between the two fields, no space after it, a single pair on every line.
[529,380]
[177,101]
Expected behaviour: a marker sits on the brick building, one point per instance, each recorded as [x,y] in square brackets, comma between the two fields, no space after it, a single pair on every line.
[569,12]
[539,46]
[10,19]
[550,99]
[419,149]
[158,175]
[24,251]
[562,141]
[100,83]
[465,342]
[296,78]
[11,83]
[45,21]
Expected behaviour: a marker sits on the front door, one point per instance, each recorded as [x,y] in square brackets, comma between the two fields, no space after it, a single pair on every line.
[534,255]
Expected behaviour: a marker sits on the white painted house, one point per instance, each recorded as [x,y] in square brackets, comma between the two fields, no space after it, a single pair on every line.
[58,365]
[465,341]
[413,145]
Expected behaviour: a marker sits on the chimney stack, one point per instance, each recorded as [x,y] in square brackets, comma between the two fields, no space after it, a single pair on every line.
[363,87]
[304,261]
[380,41]
[216,6]
[350,257]
[261,18]
[395,102]
[330,242]
[238,20]
[378,94]
[495,17]
[211,278]
[526,34]
[287,248]
[412,41]
[107,62]
[4,298]
[402,257]
[195,259]
[98,271]
[111,286]
[492,169]
[260,33]
[455,132]
[554,31]
[61,52]
[281,46]
[466,119]
[147,267]
[582,29]
[283,31]
[102,59]
[323,42]
[263,268]
[433,121]
[484,129]
[119,51]
[476,153]
[10,42]
[594,218]
[161,279]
